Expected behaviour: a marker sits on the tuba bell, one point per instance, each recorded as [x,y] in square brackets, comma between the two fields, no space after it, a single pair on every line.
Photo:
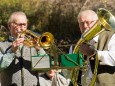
[45,40]
[106,21]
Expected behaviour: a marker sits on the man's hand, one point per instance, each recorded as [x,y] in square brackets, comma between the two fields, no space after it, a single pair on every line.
[17,43]
[87,49]
[37,47]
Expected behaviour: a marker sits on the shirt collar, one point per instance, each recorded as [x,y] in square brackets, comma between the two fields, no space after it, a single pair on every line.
[96,38]
[11,38]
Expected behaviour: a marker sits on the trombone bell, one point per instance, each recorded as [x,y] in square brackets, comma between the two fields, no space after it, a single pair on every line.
[46,40]
[32,39]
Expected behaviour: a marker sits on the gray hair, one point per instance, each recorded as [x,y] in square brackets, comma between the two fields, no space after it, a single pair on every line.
[88,12]
[14,15]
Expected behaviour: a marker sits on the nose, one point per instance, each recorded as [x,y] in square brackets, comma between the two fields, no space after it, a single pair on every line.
[85,25]
[23,28]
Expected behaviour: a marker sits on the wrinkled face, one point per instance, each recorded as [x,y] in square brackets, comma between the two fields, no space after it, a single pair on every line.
[19,25]
[86,22]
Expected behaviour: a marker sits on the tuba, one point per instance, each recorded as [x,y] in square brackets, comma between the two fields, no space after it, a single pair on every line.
[106,21]
[45,40]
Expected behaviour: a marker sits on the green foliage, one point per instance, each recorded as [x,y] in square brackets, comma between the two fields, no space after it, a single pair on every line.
[43,16]
[56,16]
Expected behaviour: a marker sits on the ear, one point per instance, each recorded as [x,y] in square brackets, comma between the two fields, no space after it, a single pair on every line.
[9,26]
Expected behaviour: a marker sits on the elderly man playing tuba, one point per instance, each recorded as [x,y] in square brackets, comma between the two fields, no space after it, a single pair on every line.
[104,44]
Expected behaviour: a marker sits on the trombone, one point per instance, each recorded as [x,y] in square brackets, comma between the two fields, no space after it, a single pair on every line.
[46,40]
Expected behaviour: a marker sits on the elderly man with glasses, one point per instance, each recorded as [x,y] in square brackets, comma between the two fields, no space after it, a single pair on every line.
[104,44]
[15,57]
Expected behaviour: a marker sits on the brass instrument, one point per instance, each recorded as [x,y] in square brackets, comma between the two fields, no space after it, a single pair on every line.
[105,20]
[32,39]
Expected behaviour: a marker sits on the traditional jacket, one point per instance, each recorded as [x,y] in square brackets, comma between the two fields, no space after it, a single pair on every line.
[16,67]
[106,74]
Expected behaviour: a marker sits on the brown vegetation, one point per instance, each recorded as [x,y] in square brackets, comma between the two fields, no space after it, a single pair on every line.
[56,16]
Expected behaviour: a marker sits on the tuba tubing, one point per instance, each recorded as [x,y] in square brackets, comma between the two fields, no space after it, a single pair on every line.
[106,21]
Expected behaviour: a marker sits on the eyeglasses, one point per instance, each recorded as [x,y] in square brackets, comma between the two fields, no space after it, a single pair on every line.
[20,24]
[87,22]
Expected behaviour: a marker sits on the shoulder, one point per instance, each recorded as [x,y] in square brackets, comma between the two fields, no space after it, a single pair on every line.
[106,34]
[4,45]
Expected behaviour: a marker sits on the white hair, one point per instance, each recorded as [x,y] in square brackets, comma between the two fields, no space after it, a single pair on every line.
[14,15]
[88,13]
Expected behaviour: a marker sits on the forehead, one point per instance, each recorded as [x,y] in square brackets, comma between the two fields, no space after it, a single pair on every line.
[86,17]
[20,19]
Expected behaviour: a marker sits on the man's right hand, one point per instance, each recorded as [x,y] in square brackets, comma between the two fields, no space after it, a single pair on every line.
[16,44]
[87,49]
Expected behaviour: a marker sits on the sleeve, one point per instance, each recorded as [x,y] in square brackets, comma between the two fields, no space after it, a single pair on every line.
[41,52]
[6,59]
[59,80]
[108,57]
[43,81]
